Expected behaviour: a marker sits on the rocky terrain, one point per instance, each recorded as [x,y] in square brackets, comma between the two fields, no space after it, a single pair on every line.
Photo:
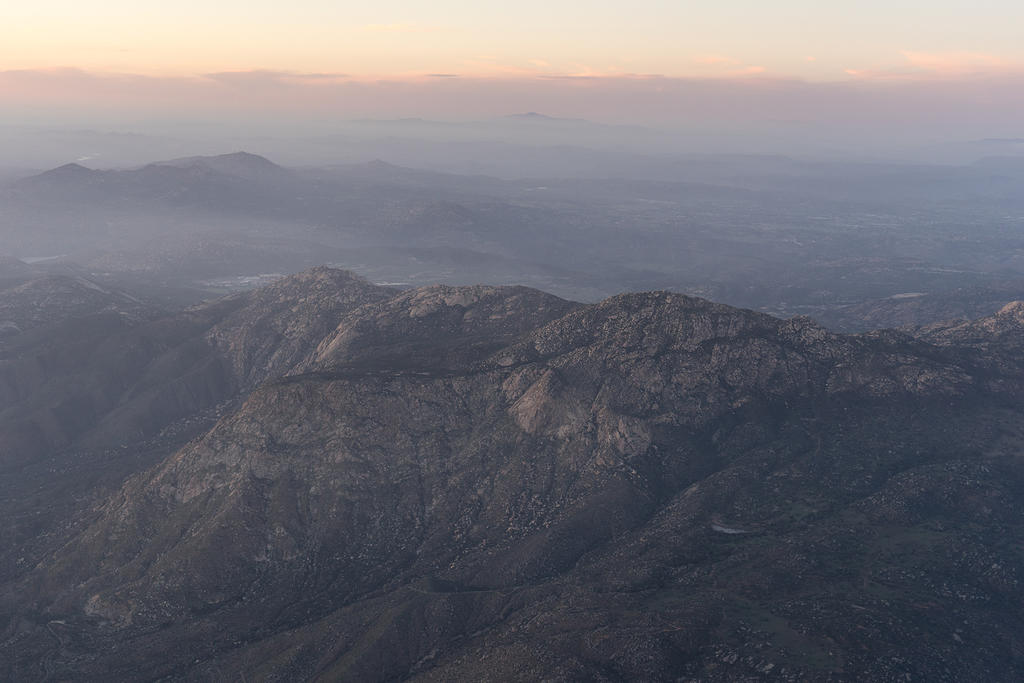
[492,483]
[54,298]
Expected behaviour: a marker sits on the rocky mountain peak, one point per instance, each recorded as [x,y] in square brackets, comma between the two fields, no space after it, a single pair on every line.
[462,482]
[1014,309]
[436,327]
[275,327]
[999,330]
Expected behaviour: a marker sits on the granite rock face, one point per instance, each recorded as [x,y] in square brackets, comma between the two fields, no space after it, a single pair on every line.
[1001,329]
[490,483]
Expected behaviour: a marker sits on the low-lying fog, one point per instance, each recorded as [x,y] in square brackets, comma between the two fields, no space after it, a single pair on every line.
[577,208]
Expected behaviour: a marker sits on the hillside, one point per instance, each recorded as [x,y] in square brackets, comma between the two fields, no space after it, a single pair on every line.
[489,483]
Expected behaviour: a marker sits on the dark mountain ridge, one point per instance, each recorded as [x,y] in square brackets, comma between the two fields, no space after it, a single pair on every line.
[493,483]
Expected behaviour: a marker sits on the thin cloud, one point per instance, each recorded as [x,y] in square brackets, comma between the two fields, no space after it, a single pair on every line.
[483,67]
[955,63]
[318,76]
[752,70]
[586,72]
[938,65]
[266,77]
[593,76]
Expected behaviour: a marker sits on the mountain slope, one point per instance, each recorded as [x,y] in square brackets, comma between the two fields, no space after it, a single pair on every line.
[52,299]
[142,374]
[494,484]
[89,397]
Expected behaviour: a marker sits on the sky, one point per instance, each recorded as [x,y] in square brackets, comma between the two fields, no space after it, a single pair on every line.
[791,38]
[642,61]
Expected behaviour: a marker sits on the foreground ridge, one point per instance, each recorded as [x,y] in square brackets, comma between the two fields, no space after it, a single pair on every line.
[493,483]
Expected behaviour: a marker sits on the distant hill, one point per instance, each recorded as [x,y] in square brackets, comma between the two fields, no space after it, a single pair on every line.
[237,164]
[230,182]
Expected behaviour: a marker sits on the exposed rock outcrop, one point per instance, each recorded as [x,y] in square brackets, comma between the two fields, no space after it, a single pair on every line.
[495,484]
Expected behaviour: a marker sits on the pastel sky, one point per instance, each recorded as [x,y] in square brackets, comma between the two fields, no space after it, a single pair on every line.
[805,38]
[351,57]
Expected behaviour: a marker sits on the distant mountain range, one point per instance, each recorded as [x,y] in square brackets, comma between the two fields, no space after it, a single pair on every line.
[175,180]
[834,241]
